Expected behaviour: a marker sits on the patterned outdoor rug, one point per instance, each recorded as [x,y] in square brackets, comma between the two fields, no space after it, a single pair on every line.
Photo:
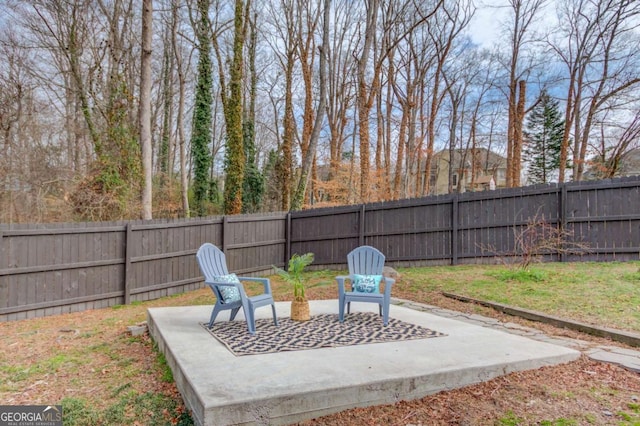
[321,331]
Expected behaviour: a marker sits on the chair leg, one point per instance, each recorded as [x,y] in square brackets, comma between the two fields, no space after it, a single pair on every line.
[248,308]
[380,309]
[385,315]
[341,308]
[349,307]
[234,312]
[273,309]
[214,314]
[251,324]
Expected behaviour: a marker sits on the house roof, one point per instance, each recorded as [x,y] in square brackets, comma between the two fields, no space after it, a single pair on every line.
[483,179]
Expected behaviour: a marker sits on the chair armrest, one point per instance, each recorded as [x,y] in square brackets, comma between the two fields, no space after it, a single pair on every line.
[341,280]
[388,283]
[265,282]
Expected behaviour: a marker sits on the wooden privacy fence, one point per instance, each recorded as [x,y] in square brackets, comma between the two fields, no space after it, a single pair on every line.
[56,268]
[602,217]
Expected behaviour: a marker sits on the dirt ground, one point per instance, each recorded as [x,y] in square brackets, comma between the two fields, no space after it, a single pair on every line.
[90,355]
[584,392]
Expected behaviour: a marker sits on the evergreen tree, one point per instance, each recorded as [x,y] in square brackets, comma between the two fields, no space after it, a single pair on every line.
[201,134]
[545,128]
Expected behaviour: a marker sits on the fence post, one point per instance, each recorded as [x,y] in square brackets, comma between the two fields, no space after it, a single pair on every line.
[127,264]
[225,223]
[287,239]
[361,236]
[562,219]
[454,229]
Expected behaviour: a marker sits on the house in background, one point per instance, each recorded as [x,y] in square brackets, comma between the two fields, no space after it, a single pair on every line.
[473,170]
[630,163]
[627,165]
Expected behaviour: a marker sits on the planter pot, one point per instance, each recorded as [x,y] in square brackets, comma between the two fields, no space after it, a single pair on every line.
[300,310]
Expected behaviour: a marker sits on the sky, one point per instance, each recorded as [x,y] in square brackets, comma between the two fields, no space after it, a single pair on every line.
[485,25]
[491,15]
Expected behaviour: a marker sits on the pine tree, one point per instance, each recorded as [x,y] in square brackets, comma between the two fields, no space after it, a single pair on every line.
[201,134]
[545,128]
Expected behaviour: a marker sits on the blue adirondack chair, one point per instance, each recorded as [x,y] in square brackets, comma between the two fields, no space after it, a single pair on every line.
[228,289]
[365,275]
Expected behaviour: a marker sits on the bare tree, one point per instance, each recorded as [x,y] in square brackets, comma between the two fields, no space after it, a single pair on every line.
[600,51]
[307,19]
[16,103]
[366,92]
[284,31]
[381,36]
[340,80]
[615,146]
[315,134]
[412,65]
[180,71]
[92,47]
[524,14]
[63,28]
[145,108]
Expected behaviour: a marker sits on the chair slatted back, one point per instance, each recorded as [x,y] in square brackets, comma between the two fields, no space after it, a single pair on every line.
[212,261]
[365,260]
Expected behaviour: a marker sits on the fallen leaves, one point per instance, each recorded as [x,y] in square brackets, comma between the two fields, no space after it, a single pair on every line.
[584,390]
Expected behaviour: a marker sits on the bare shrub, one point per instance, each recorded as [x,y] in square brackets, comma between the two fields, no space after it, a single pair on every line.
[536,239]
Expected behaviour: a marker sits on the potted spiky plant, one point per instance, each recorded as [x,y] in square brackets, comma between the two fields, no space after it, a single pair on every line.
[293,276]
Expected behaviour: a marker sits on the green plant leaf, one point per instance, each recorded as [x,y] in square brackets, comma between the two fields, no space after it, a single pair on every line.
[293,274]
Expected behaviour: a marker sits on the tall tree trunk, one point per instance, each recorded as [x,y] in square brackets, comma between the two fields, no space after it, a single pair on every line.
[253,184]
[315,135]
[365,92]
[165,163]
[234,162]
[145,108]
[306,56]
[397,178]
[287,139]
[201,133]
[566,136]
[517,134]
[388,131]
[184,175]
[524,14]
[454,167]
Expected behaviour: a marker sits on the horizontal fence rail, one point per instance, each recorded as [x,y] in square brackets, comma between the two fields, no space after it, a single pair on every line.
[57,268]
[598,221]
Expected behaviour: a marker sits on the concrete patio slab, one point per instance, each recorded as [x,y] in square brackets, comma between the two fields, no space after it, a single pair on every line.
[282,388]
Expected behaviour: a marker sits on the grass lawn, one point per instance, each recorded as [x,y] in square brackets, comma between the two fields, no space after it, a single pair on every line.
[88,362]
[604,294]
